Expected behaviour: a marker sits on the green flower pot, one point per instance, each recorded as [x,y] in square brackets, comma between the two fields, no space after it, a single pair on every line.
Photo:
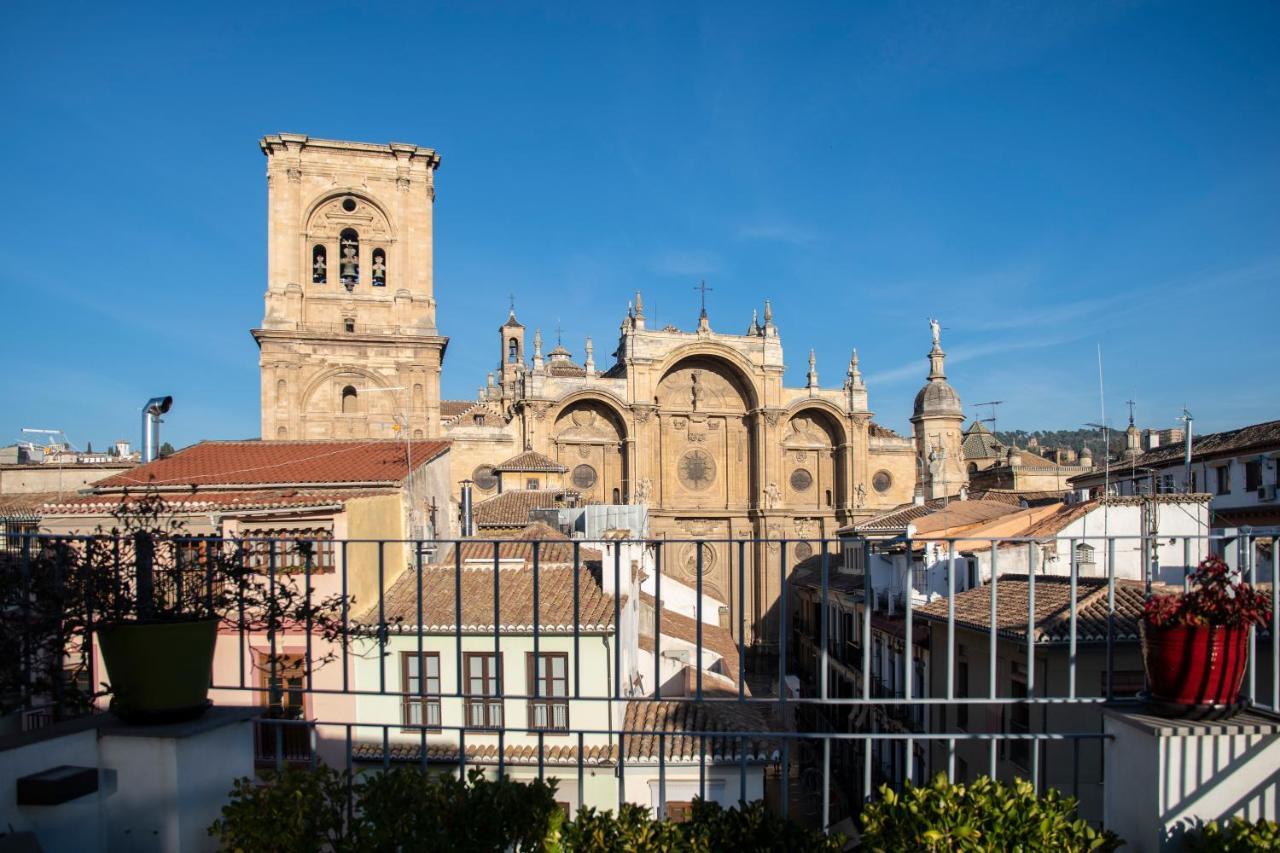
[159,672]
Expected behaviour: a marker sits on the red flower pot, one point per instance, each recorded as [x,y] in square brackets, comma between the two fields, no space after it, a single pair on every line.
[1195,666]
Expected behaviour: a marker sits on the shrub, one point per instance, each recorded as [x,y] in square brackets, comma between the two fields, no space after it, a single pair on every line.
[1236,836]
[984,815]
[406,809]
[295,811]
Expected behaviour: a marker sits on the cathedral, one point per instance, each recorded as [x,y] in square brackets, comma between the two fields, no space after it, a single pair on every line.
[695,424]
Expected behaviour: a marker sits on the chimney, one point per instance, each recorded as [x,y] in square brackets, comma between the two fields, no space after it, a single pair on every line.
[468,521]
[151,412]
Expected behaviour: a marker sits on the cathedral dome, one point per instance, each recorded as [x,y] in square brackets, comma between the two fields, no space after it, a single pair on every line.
[937,397]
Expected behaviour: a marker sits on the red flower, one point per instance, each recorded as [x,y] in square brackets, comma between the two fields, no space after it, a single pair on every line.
[1217,597]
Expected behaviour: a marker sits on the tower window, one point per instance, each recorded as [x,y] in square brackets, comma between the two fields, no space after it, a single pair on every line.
[349,265]
[349,325]
[319,265]
[349,400]
[379,268]
[513,351]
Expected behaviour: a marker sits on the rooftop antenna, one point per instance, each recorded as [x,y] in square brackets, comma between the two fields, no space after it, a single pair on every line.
[1186,418]
[991,420]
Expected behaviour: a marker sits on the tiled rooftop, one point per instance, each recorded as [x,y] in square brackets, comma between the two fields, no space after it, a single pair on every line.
[281,463]
[511,508]
[1052,612]
[530,460]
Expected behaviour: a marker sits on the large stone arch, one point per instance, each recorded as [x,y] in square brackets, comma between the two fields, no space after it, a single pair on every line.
[588,437]
[320,403]
[812,459]
[383,225]
[738,364]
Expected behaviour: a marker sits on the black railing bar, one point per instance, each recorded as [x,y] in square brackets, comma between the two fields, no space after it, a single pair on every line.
[422,661]
[537,614]
[617,616]
[497,633]
[761,737]
[1073,608]
[1111,621]
[714,699]
[782,623]
[823,630]
[742,626]
[274,685]
[457,620]
[657,619]
[577,618]
[383,639]
[240,621]
[310,623]
[1251,562]
[698,630]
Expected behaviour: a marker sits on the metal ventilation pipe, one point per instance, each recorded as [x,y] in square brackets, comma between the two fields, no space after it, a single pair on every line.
[151,413]
[468,523]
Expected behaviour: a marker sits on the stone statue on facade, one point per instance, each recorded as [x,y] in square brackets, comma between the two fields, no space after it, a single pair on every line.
[859,496]
[772,496]
[643,491]
[695,390]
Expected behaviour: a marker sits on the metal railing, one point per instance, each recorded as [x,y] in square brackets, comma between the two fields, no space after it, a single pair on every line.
[1030,655]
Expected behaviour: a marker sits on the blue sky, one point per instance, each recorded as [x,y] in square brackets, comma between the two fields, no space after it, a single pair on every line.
[1042,177]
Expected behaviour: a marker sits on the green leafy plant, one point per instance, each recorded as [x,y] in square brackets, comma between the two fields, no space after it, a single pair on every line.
[980,816]
[294,811]
[404,808]
[1235,836]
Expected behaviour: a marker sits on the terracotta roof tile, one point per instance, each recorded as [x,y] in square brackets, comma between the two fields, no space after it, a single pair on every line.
[511,509]
[530,460]
[446,752]
[27,503]
[260,463]
[450,409]
[1053,608]
[440,592]
[682,721]
[714,638]
[222,501]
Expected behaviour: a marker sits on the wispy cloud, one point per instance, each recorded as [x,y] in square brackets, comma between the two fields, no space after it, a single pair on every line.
[685,263]
[778,231]
[916,369]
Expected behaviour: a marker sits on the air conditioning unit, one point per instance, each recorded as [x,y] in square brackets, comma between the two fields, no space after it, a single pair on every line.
[1266,493]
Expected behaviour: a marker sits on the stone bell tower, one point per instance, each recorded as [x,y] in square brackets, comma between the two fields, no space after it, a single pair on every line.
[348,344]
[937,423]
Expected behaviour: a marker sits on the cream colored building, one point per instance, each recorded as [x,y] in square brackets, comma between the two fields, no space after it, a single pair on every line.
[697,424]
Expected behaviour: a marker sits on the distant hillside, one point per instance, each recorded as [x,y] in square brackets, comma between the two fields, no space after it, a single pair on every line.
[1076,439]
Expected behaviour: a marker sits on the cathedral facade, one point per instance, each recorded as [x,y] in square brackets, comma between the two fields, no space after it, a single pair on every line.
[696,424]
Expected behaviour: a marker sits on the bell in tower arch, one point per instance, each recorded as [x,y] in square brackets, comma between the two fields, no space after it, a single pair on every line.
[349,265]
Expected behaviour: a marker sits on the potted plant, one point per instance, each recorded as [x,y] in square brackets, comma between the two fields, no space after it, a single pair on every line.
[155,596]
[1195,644]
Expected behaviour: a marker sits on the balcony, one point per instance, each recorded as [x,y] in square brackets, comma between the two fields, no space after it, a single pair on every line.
[351,700]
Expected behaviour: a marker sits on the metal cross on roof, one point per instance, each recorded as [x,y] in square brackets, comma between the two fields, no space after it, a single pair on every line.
[702,286]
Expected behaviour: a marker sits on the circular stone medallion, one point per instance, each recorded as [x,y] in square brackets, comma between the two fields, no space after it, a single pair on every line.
[484,478]
[584,476]
[801,480]
[697,470]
